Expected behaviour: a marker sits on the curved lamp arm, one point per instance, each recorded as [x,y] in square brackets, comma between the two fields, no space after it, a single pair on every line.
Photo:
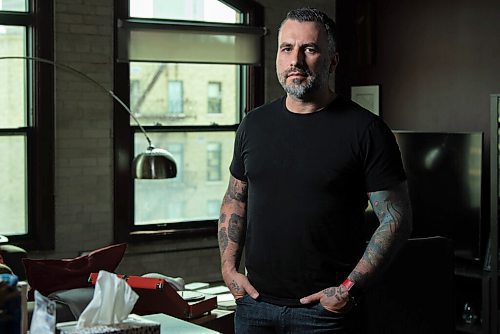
[155,163]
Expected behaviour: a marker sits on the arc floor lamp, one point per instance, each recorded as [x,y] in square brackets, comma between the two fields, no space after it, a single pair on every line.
[154,163]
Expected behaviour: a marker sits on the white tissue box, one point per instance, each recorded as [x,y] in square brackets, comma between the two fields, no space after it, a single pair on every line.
[134,324]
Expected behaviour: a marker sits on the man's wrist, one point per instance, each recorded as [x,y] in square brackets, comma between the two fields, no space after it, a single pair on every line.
[228,269]
[353,289]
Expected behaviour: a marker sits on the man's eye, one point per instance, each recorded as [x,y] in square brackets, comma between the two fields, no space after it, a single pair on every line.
[287,49]
[311,50]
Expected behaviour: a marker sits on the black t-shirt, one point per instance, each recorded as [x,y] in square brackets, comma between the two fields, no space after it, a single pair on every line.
[308,176]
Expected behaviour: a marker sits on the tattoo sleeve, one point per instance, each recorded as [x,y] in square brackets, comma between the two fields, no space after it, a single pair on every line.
[232,224]
[393,211]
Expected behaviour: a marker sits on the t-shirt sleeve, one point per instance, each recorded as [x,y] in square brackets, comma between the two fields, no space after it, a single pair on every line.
[381,156]
[237,167]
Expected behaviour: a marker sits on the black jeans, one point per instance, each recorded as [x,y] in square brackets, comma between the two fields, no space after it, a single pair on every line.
[257,317]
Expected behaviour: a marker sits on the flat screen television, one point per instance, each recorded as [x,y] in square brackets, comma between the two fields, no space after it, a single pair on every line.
[444,172]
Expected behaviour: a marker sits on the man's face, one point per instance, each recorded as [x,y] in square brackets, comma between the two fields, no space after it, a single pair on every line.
[303,63]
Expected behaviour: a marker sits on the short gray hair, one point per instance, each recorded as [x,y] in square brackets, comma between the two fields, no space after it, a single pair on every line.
[308,14]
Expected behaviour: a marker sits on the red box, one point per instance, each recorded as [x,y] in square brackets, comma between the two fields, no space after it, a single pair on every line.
[156,295]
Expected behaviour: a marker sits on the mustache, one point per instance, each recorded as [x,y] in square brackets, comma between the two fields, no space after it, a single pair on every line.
[301,71]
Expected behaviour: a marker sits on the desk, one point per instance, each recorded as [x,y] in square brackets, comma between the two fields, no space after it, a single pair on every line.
[221,321]
[168,325]
[171,325]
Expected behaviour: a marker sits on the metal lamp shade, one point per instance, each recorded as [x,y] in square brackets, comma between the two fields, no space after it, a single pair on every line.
[155,163]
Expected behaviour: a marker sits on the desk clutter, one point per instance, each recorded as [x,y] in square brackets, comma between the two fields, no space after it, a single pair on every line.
[66,288]
[156,295]
[225,300]
[125,304]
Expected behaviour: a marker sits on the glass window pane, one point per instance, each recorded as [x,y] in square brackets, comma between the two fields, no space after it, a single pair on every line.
[191,10]
[159,91]
[13,77]
[175,97]
[13,206]
[214,170]
[214,97]
[14,5]
[185,198]
[213,208]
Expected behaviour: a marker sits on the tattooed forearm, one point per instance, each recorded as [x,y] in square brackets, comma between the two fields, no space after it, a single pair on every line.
[393,210]
[232,224]
[356,276]
[222,218]
[237,190]
[237,257]
[222,240]
[236,229]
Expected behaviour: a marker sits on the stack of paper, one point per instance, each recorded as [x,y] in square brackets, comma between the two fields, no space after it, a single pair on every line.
[196,286]
[226,301]
[215,290]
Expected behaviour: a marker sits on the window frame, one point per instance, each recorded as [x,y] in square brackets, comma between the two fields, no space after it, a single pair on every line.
[39,130]
[124,228]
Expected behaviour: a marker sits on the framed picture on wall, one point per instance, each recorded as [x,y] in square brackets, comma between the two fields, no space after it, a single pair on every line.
[367,97]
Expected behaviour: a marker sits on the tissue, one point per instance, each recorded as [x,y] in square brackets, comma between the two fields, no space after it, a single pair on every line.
[113,301]
[43,320]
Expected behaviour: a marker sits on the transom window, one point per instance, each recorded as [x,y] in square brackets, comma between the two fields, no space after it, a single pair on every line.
[190,10]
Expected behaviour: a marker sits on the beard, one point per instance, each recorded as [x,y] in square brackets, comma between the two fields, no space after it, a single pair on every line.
[301,88]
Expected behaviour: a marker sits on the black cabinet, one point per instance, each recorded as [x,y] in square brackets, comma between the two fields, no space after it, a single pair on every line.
[476,284]
[471,300]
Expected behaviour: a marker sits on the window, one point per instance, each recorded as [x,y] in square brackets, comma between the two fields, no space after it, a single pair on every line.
[213,208]
[26,144]
[135,97]
[175,211]
[214,171]
[13,115]
[175,97]
[176,56]
[214,97]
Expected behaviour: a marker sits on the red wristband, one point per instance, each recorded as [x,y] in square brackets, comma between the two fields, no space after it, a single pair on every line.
[353,289]
[348,284]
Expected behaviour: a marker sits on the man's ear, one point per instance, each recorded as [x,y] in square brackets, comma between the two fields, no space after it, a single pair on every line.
[334,62]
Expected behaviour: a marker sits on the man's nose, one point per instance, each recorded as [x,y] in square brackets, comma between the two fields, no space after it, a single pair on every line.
[297,58]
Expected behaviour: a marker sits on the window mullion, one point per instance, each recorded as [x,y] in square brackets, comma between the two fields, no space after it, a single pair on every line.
[10,18]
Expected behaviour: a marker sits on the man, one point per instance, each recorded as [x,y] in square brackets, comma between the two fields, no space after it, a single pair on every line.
[303,168]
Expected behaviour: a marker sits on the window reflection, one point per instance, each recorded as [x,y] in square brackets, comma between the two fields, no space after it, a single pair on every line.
[202,161]
[177,94]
